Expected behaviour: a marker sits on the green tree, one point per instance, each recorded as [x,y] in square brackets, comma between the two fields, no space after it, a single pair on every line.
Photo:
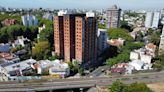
[118,86]
[31,32]
[47,34]
[111,61]
[115,33]
[155,37]
[132,45]
[138,87]
[1,25]
[101,26]
[122,57]
[81,71]
[125,25]
[41,50]
[74,68]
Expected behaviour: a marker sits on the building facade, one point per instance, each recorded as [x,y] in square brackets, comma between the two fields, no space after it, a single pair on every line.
[149,19]
[29,20]
[156,19]
[79,37]
[86,38]
[8,22]
[113,17]
[102,40]
[152,19]
[59,36]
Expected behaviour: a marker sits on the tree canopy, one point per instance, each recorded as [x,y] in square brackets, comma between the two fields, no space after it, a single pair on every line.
[47,34]
[115,33]
[41,50]
[10,33]
[155,37]
[101,26]
[118,86]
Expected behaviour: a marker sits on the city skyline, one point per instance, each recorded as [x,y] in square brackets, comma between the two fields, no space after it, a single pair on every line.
[89,4]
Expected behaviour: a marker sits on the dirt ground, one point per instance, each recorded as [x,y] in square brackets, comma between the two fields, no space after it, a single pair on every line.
[156,87]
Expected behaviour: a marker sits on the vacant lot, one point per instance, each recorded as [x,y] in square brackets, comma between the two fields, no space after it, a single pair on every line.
[156,87]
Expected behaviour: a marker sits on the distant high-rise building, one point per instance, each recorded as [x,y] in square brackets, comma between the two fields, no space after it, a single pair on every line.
[149,19]
[152,19]
[156,19]
[113,17]
[48,16]
[78,37]
[29,20]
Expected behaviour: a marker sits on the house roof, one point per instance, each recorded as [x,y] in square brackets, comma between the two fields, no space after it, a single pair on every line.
[7,56]
[118,70]
[151,46]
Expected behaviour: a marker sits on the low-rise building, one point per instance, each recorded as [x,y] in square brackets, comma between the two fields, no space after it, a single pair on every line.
[20,41]
[151,48]
[137,64]
[55,67]
[134,55]
[18,69]
[5,47]
[59,68]
[146,58]
[8,22]
[8,58]
[116,42]
[3,74]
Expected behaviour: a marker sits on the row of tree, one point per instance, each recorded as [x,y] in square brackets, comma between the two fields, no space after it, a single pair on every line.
[10,33]
[118,86]
[123,52]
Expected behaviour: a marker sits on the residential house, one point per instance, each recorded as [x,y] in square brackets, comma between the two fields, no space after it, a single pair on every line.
[5,47]
[8,22]
[8,58]
[59,68]
[116,42]
[19,68]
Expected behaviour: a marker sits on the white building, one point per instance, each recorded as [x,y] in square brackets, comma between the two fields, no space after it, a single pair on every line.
[29,20]
[3,74]
[161,45]
[90,14]
[152,19]
[59,68]
[146,58]
[62,12]
[20,41]
[48,16]
[149,19]
[134,56]
[18,68]
[156,19]
[137,64]
[102,40]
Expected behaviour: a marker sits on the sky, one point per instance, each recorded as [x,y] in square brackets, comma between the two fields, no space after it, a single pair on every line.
[84,4]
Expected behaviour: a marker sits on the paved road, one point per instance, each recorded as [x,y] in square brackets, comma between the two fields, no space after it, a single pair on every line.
[99,71]
[79,82]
